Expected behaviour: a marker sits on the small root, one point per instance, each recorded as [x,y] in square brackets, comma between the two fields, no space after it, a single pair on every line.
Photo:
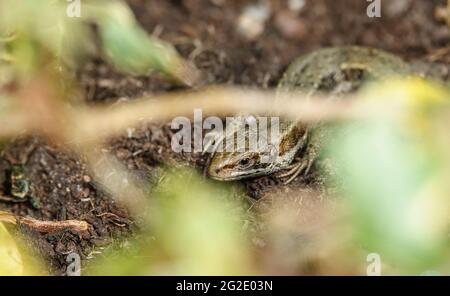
[115,219]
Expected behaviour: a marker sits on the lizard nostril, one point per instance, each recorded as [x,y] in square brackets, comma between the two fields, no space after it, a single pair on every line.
[217,171]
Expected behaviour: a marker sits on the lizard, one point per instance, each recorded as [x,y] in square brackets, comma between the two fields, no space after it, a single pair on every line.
[333,71]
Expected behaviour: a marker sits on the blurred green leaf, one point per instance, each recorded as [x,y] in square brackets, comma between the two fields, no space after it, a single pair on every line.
[43,26]
[194,228]
[130,48]
[392,177]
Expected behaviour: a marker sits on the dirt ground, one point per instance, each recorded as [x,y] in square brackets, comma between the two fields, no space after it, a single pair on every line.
[205,32]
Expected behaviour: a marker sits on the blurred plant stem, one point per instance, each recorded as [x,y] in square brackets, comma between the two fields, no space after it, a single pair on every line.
[95,123]
[115,179]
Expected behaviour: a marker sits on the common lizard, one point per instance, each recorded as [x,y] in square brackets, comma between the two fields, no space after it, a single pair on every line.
[334,71]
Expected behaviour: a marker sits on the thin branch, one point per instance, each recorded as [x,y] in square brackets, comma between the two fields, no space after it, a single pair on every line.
[44,226]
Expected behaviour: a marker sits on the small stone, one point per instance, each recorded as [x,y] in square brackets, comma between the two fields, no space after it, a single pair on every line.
[296,5]
[87,179]
[252,21]
[397,7]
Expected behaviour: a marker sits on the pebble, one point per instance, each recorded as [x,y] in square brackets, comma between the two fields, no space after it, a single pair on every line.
[296,5]
[252,21]
[396,8]
[87,179]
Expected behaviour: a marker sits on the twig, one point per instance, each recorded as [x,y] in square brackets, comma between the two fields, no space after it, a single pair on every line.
[44,226]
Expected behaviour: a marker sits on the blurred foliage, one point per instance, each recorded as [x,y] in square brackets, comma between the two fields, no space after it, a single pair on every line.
[393,173]
[195,228]
[10,258]
[38,30]
[5,104]
[33,31]
[17,255]
[128,46]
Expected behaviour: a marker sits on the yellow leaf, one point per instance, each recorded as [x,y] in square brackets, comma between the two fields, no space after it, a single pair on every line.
[10,258]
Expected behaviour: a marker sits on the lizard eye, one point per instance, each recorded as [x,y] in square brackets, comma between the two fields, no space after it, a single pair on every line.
[245,162]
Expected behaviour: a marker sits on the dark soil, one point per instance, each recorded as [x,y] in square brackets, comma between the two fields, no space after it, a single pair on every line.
[204,31]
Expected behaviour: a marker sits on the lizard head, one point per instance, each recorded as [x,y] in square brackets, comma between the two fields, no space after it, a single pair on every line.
[246,152]
[229,166]
[242,164]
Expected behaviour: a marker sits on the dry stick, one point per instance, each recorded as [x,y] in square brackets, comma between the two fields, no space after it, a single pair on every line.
[44,226]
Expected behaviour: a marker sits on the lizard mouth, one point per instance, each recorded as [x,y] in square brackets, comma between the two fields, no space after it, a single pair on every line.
[223,175]
[219,175]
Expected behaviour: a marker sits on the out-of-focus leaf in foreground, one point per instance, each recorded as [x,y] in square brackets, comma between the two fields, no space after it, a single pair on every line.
[10,258]
[131,49]
[42,27]
[19,254]
[194,228]
[393,175]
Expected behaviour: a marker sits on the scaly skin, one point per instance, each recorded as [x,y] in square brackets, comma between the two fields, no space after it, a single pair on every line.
[334,71]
